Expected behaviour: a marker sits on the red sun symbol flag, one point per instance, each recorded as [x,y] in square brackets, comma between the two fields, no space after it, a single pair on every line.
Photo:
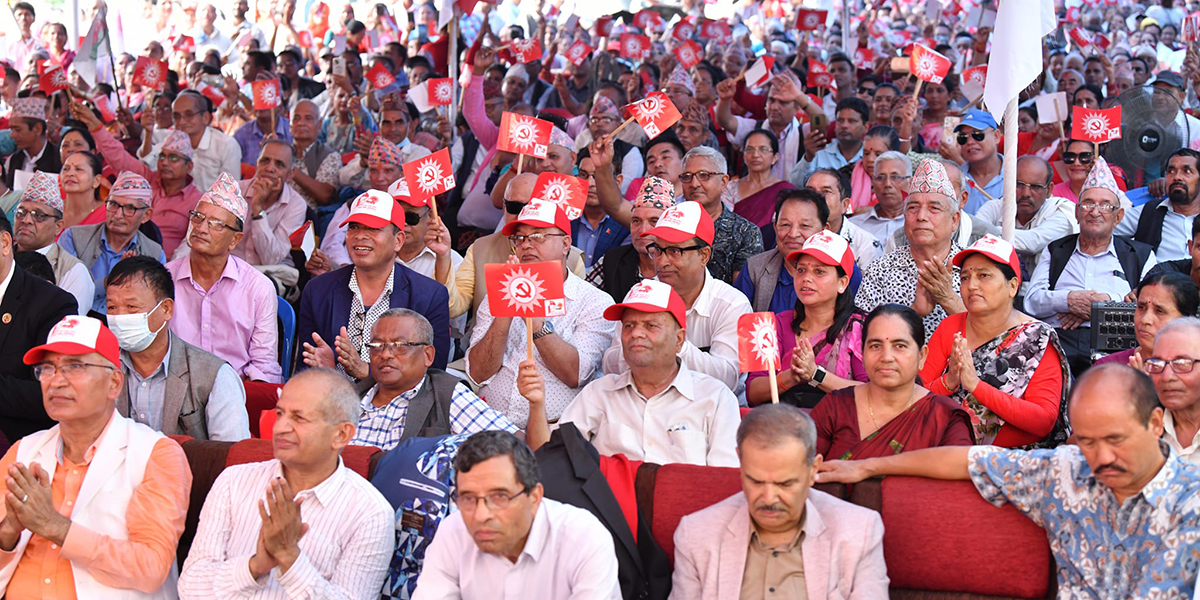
[51,77]
[441,91]
[973,81]
[185,44]
[809,20]
[758,343]
[927,65]
[150,73]
[877,28]
[647,19]
[305,38]
[524,135]
[864,58]
[1079,37]
[579,52]
[718,31]
[380,77]
[688,54]
[820,79]
[635,47]
[1191,28]
[1096,124]
[212,93]
[568,192]
[107,114]
[525,290]
[683,30]
[526,50]
[655,113]
[604,26]
[267,94]
[758,73]
[429,176]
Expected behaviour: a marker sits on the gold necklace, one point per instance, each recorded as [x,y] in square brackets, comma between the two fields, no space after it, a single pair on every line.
[871,407]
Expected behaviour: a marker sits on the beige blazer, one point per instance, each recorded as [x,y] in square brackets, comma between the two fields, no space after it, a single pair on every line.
[843,551]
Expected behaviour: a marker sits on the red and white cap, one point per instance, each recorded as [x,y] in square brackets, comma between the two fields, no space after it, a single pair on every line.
[683,222]
[994,248]
[375,209]
[650,296]
[400,193]
[829,248]
[539,213]
[75,336]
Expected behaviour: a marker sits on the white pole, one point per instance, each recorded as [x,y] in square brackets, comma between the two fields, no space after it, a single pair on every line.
[73,25]
[453,68]
[846,27]
[1009,199]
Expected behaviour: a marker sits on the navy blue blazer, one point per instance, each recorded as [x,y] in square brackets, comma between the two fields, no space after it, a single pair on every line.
[611,235]
[325,307]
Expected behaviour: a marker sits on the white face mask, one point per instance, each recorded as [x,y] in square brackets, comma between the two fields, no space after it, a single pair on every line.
[133,331]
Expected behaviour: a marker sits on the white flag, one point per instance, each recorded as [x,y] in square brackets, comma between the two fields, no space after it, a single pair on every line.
[1016,58]
[93,52]
[419,96]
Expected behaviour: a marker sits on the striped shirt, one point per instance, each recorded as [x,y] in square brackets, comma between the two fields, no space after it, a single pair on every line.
[344,554]
[383,426]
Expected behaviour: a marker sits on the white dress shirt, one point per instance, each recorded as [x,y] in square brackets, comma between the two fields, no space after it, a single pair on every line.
[217,153]
[583,327]
[568,555]
[268,239]
[1191,452]
[862,243]
[694,421]
[711,324]
[1176,230]
[1099,273]
[77,280]
[1055,219]
[344,554]
[880,227]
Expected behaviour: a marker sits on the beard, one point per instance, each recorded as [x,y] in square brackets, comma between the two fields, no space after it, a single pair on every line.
[1179,194]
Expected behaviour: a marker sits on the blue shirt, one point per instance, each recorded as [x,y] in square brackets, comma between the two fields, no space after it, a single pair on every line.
[995,187]
[1104,549]
[587,238]
[104,263]
[250,138]
[1100,273]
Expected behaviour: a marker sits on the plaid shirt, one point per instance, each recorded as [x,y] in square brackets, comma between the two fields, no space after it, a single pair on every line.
[383,426]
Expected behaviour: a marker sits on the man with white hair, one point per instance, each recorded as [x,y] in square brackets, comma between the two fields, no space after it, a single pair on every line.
[893,171]
[319,530]
[735,239]
[920,274]
[970,228]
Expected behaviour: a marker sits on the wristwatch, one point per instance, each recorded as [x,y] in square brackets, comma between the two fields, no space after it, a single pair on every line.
[819,376]
[260,216]
[547,329]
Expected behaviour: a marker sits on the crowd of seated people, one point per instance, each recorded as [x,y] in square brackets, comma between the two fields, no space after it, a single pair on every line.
[224,231]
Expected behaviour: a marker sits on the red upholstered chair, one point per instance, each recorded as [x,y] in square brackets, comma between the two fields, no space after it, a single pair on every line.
[252,450]
[260,397]
[745,410]
[681,490]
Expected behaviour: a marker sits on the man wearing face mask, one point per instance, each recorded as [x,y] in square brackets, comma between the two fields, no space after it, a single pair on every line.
[170,385]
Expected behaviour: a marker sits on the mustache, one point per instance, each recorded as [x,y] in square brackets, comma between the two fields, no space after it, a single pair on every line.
[775,507]
[1109,468]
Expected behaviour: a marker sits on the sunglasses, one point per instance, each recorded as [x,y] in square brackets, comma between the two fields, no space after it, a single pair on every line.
[978,136]
[1084,158]
[411,218]
[513,208]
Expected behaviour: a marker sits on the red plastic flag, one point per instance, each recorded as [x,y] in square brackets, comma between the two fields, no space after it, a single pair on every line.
[683,31]
[655,113]
[604,26]
[688,54]
[380,77]
[51,77]
[759,72]
[184,43]
[820,79]
[1191,28]
[267,94]
[973,81]
[150,73]
[809,20]
[1096,125]
[305,38]
[441,91]
[524,135]
[568,192]
[579,52]
[525,290]
[927,65]
[758,343]
[1081,38]
[107,114]
[647,19]
[716,30]
[635,47]
[877,28]
[212,93]
[864,58]
[526,50]
[430,175]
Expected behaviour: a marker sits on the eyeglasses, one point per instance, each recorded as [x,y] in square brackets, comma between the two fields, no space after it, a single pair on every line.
[672,252]
[37,216]
[534,238]
[213,224]
[172,158]
[1154,366]
[702,176]
[884,178]
[1084,158]
[513,207]
[494,500]
[599,120]
[759,150]
[412,219]
[72,371]
[1103,208]
[395,348]
[978,136]
[126,209]
[1037,188]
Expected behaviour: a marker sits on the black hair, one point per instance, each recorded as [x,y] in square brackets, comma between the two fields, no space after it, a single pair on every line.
[884,132]
[774,139]
[78,127]
[386,60]
[843,181]
[1192,154]
[149,270]
[36,264]
[843,310]
[418,61]
[262,60]
[802,195]
[608,84]
[841,57]
[96,165]
[666,137]
[1183,290]
[1140,390]
[25,6]
[717,74]
[855,104]
[5,225]
[294,53]
[916,326]
[201,100]
[587,153]
[890,85]
[1097,92]
[556,120]
[655,72]
[486,445]
[355,26]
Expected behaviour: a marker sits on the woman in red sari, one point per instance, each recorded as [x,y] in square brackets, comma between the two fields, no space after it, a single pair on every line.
[891,413]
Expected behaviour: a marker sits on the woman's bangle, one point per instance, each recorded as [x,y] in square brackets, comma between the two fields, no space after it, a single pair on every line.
[905,140]
[946,386]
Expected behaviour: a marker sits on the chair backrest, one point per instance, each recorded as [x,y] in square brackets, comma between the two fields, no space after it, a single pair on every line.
[266,424]
[287,320]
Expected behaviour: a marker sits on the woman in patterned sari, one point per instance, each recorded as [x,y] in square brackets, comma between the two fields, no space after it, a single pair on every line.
[891,413]
[1006,368]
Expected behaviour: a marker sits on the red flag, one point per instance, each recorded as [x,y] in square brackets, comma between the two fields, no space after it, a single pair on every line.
[380,77]
[820,79]
[864,58]
[1191,28]
[683,31]
[1096,124]
[877,28]
[107,114]
[303,239]
[150,73]
[441,91]
[185,43]
[951,10]
[305,38]
[688,54]
[758,342]
[635,47]
[646,19]
[928,65]
[526,50]
[1080,37]
[973,81]
[51,77]
[655,113]
[604,26]
[716,30]
[429,176]
[568,192]
[579,52]
[1102,41]
[267,94]
[525,290]
[524,135]
[212,93]
[759,72]
[809,20]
